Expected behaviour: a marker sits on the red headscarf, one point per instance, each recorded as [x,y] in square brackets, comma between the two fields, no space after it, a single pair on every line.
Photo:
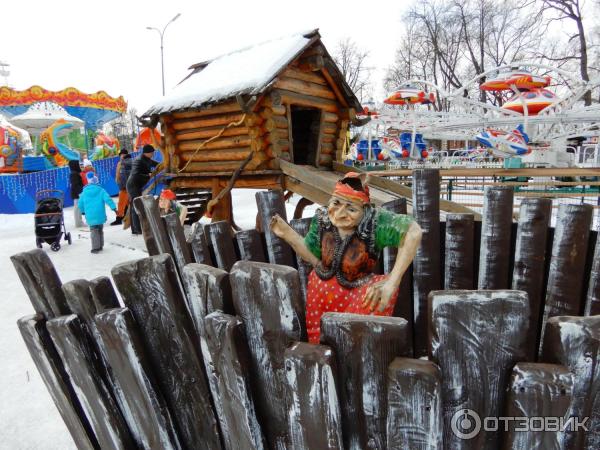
[168,194]
[346,191]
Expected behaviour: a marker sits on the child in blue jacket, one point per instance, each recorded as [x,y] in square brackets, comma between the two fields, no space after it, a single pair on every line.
[91,203]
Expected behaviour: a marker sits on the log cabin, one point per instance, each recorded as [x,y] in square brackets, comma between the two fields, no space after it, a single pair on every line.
[234,118]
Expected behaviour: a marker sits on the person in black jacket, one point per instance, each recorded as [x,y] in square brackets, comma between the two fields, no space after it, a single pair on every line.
[76,188]
[121,177]
[141,169]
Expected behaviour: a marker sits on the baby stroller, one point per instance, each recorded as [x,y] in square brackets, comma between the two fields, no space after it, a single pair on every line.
[49,220]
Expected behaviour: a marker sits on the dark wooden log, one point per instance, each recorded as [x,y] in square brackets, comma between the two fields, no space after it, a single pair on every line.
[314,412]
[569,251]
[208,290]
[79,298]
[458,266]
[176,236]
[574,343]
[364,347]
[267,298]
[150,288]
[414,414]
[79,357]
[537,390]
[426,265]
[530,261]
[145,409]
[404,303]
[301,227]
[156,226]
[476,339]
[199,245]
[592,303]
[41,282]
[250,245]
[270,203]
[149,239]
[51,369]
[496,225]
[103,294]
[230,366]
[219,235]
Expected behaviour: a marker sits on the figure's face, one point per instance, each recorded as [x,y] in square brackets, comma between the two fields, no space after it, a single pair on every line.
[345,214]
[163,203]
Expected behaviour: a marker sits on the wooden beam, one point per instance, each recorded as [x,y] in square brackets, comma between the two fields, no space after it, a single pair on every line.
[231,154]
[305,87]
[209,121]
[311,63]
[209,110]
[294,98]
[333,85]
[205,133]
[313,77]
[221,143]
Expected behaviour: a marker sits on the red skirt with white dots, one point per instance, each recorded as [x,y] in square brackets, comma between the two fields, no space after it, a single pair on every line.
[329,296]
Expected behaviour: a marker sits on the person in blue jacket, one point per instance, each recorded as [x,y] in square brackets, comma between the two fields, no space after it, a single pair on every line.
[91,203]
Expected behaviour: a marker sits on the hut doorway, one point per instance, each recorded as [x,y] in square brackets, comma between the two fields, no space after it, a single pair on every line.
[306,126]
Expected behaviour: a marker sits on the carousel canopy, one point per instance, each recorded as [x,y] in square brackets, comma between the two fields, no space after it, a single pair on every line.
[41,115]
[94,109]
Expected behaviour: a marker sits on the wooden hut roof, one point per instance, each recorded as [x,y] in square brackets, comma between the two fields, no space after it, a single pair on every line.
[249,71]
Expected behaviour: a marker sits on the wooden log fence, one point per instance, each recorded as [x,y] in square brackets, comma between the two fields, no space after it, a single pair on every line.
[205,345]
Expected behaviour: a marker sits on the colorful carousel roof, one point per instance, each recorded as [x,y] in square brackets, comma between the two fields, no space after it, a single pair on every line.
[94,109]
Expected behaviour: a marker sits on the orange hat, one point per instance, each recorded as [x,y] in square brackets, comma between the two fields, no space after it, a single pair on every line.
[345,190]
[168,194]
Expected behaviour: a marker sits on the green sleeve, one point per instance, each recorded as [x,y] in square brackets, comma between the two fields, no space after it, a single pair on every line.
[391,229]
[312,238]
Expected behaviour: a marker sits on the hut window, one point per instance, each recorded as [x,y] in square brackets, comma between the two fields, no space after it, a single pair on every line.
[306,123]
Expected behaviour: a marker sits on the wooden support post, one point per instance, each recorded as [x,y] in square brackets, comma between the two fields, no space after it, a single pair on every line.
[220,238]
[301,227]
[147,414]
[476,339]
[496,225]
[153,226]
[404,304]
[426,265]
[167,333]
[267,299]
[103,294]
[315,420]
[58,383]
[199,244]
[574,343]
[537,390]
[414,414]
[73,345]
[231,367]
[180,248]
[41,282]
[223,209]
[364,346]
[530,261]
[270,203]
[458,264]
[569,251]
[592,304]
[250,245]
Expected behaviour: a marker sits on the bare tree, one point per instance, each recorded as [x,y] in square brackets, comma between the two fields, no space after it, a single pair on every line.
[352,62]
[556,10]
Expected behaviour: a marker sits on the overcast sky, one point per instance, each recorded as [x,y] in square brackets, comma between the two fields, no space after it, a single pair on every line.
[105,45]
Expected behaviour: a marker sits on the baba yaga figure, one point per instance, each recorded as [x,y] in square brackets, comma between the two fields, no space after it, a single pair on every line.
[343,245]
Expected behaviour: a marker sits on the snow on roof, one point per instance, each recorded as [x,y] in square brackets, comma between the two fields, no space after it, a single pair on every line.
[245,71]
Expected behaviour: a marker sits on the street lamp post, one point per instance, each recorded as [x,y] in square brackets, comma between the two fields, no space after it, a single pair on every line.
[162,61]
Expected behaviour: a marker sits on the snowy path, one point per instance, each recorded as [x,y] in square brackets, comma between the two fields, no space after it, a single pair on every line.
[28,418]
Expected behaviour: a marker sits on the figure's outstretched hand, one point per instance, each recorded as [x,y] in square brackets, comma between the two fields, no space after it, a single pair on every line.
[379,295]
[280,227]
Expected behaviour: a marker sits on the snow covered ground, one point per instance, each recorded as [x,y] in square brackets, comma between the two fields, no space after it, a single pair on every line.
[28,417]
